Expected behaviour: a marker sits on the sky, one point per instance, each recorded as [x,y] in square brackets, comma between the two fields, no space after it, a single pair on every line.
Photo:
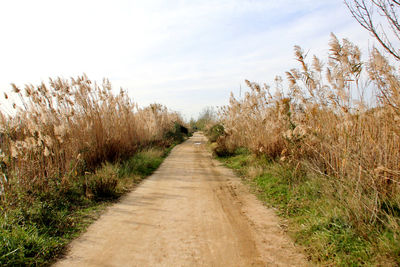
[186,55]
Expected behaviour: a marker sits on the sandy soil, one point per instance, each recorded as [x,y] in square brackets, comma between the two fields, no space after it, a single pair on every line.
[191,212]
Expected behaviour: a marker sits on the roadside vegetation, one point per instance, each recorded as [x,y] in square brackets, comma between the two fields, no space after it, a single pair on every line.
[207,118]
[323,148]
[68,150]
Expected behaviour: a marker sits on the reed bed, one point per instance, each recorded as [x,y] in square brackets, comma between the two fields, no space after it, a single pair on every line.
[340,119]
[64,128]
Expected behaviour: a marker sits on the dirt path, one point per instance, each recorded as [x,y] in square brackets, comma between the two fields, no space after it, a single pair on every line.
[190,212]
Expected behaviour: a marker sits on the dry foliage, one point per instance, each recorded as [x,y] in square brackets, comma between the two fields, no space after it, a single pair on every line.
[66,127]
[325,122]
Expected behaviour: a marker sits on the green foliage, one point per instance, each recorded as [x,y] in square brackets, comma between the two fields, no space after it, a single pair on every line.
[238,161]
[141,164]
[104,182]
[177,134]
[206,117]
[23,245]
[193,125]
[34,233]
[215,132]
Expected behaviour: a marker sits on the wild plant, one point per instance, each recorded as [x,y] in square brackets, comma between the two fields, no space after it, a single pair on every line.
[339,119]
[63,128]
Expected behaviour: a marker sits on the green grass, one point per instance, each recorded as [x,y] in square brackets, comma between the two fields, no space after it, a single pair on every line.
[142,164]
[36,227]
[36,235]
[316,218]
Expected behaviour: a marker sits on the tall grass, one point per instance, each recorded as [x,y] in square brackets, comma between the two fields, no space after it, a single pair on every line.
[55,156]
[66,127]
[340,119]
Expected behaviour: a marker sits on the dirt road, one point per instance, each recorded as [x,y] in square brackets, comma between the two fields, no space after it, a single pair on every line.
[190,212]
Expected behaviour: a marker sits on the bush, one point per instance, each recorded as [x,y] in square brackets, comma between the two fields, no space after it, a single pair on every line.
[177,134]
[215,132]
[104,182]
[222,148]
[207,117]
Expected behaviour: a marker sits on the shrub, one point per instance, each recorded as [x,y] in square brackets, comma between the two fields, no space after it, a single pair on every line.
[206,119]
[215,132]
[177,134]
[223,148]
[104,182]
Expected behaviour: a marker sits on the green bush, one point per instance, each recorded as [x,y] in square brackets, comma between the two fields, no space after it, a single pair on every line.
[215,132]
[178,133]
[104,182]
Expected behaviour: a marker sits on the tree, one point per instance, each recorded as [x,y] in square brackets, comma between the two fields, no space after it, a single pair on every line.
[206,116]
[366,11]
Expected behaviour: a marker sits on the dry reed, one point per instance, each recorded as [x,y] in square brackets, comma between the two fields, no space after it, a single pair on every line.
[66,127]
[324,121]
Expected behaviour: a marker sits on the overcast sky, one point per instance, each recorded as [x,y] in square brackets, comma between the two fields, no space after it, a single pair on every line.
[184,54]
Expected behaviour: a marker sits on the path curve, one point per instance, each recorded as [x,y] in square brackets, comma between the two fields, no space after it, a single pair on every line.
[191,212]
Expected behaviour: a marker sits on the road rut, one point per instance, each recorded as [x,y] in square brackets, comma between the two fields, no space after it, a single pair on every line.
[191,212]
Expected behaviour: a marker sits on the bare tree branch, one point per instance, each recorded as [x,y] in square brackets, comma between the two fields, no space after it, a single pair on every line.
[364,12]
